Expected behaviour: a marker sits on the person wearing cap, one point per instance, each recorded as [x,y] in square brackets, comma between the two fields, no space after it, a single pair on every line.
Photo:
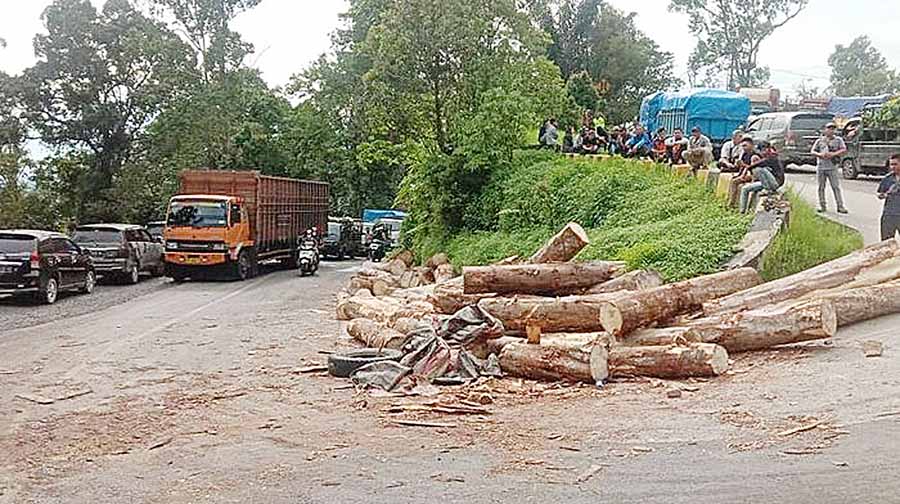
[731,151]
[889,191]
[700,150]
[828,150]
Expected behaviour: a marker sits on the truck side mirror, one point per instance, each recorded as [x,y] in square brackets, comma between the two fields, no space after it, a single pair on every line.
[235,215]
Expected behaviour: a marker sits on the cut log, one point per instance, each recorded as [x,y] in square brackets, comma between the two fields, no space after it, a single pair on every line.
[766,328]
[865,303]
[448,297]
[556,362]
[426,275]
[645,308]
[668,362]
[563,247]
[580,362]
[751,330]
[534,334]
[380,288]
[397,268]
[407,257]
[839,272]
[408,325]
[552,315]
[552,279]
[444,273]
[632,281]
[385,310]
[437,260]
[483,348]
[374,335]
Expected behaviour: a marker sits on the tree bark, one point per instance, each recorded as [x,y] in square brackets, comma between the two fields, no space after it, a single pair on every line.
[865,303]
[574,362]
[386,310]
[552,315]
[839,272]
[580,362]
[633,281]
[552,279]
[751,330]
[374,335]
[448,297]
[670,362]
[644,308]
[563,247]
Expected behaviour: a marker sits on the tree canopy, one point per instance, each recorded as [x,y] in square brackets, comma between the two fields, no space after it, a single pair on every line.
[860,69]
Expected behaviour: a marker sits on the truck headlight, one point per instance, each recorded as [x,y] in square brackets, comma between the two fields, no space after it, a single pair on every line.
[170,245]
[220,247]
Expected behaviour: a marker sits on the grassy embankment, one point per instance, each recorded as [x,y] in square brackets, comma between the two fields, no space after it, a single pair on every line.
[644,215]
[810,240]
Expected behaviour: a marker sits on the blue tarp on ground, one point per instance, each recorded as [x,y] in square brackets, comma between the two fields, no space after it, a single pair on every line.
[373,215]
[716,112]
[851,106]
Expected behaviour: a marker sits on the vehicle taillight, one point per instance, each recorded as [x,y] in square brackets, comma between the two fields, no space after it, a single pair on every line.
[35,260]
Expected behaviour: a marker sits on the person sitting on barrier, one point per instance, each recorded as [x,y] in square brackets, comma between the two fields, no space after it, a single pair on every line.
[731,152]
[659,150]
[757,171]
[675,147]
[568,144]
[700,150]
[590,142]
[639,144]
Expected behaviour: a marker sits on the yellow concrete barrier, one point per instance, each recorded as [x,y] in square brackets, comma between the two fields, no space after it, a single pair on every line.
[683,170]
[723,186]
[712,179]
[702,175]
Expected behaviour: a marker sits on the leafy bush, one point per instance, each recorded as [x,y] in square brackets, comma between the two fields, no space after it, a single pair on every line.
[809,241]
[646,216]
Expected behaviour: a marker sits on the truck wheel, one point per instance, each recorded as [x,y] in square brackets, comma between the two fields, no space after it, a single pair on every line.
[849,169]
[49,293]
[244,267]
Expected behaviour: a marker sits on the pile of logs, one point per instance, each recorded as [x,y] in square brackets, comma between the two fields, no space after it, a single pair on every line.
[591,321]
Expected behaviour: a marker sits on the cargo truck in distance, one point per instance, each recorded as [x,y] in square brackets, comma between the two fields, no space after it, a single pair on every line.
[223,223]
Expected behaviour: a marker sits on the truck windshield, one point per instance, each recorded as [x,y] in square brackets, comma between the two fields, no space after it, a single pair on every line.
[16,244]
[97,235]
[198,213]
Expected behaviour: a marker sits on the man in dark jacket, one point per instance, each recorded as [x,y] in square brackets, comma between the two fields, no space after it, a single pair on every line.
[889,191]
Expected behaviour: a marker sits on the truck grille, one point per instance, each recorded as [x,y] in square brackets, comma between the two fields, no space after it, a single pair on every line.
[195,246]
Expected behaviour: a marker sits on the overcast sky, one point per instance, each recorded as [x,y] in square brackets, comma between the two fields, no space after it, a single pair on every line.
[289,34]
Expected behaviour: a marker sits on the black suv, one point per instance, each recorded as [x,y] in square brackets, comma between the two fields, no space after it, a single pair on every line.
[123,251]
[43,264]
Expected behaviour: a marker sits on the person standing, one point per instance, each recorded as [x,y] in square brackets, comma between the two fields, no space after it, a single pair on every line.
[826,150]
[889,191]
[551,135]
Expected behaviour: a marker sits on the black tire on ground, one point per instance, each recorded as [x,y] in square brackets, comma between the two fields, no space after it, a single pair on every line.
[133,275]
[344,364]
[90,281]
[178,278]
[849,169]
[49,292]
[243,267]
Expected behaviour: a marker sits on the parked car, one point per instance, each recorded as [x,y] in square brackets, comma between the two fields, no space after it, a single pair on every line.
[43,264]
[156,229]
[123,251]
[791,133]
[869,149]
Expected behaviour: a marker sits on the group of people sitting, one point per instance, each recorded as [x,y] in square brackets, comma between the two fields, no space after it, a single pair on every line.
[758,167]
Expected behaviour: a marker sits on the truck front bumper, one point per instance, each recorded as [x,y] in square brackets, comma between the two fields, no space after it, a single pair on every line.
[189,259]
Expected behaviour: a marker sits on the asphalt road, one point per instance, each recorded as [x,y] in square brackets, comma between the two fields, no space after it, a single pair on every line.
[195,394]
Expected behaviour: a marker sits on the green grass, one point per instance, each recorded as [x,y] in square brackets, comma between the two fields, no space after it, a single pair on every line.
[809,241]
[647,216]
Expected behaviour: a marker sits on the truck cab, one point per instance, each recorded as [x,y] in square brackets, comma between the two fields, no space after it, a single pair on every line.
[208,230]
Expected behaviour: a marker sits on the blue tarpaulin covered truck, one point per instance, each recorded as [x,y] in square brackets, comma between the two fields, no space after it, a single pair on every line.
[716,112]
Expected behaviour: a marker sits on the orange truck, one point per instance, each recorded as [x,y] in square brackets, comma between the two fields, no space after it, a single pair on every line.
[223,223]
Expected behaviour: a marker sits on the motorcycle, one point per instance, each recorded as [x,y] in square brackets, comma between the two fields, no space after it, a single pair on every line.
[377,250]
[308,257]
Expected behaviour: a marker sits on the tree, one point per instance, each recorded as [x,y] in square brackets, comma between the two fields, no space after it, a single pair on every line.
[860,70]
[730,33]
[205,25]
[581,88]
[594,37]
[100,79]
